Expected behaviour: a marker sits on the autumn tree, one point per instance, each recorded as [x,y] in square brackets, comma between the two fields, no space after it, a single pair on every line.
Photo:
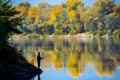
[73,8]
[44,17]
[33,14]
[44,11]
[89,20]
[57,18]
[102,8]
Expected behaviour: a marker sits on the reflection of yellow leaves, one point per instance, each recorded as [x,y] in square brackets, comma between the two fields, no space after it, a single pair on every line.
[74,72]
[53,57]
[100,45]
[116,40]
[50,52]
[80,71]
[57,62]
[103,69]
[73,66]
[118,64]
[110,73]
[65,49]
[72,59]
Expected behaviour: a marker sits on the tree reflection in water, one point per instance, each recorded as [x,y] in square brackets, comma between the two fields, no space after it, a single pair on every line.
[75,54]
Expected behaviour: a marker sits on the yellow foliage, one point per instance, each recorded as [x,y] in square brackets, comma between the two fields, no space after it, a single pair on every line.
[99,26]
[22,11]
[100,48]
[73,7]
[117,8]
[72,15]
[33,13]
[71,3]
[55,12]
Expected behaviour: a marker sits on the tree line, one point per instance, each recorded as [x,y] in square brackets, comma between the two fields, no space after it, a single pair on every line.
[71,17]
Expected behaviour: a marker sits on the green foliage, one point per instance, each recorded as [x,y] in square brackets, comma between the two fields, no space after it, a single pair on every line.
[25,4]
[8,26]
[8,22]
[94,32]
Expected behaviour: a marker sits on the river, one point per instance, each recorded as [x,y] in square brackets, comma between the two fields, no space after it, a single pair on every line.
[74,58]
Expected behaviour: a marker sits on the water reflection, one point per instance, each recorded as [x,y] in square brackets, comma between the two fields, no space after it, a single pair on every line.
[75,54]
[39,77]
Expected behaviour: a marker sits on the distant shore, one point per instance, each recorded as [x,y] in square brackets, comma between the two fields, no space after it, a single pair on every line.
[22,36]
[68,36]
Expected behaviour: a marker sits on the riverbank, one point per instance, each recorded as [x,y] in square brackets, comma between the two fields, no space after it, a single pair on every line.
[80,35]
[12,63]
[21,36]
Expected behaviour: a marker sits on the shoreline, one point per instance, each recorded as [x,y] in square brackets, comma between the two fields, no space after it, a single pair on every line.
[68,36]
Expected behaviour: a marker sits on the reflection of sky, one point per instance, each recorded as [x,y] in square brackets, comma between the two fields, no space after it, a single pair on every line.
[88,74]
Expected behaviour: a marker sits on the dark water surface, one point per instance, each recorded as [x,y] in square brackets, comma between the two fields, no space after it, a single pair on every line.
[74,59]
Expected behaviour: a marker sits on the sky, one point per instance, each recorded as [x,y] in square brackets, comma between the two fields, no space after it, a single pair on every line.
[53,2]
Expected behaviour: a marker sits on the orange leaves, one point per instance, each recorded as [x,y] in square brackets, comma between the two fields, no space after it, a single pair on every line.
[56,10]
[33,13]
[56,15]
[21,9]
[72,15]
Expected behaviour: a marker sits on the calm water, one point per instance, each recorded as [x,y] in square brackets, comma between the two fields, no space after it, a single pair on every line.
[74,59]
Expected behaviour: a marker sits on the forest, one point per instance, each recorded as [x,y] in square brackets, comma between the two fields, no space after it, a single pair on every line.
[72,17]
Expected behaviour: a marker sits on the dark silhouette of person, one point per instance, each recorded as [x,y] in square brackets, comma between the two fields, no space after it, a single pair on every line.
[39,60]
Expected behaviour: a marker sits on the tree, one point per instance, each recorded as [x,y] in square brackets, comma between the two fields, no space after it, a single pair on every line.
[8,22]
[44,11]
[33,14]
[101,9]
[117,9]
[24,4]
[74,7]
[57,18]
